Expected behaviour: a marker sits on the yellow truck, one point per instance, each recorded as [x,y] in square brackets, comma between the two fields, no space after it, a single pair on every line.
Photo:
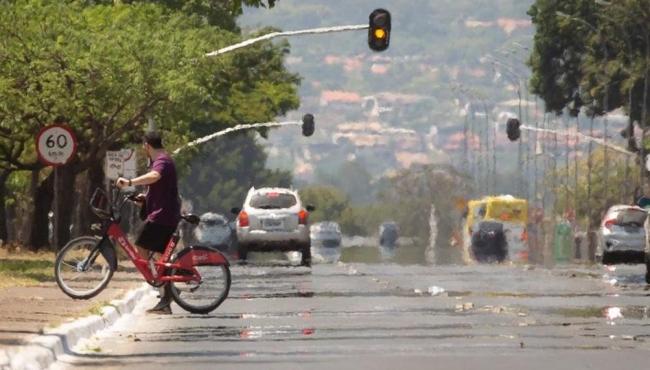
[494,229]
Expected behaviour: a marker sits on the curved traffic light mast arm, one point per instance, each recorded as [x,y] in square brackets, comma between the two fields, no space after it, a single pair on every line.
[308,127]
[312,31]
[235,128]
[580,135]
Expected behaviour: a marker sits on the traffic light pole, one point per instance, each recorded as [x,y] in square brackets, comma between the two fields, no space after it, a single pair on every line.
[235,128]
[580,135]
[312,31]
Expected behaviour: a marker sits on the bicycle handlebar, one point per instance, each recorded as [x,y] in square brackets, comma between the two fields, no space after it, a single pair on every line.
[118,203]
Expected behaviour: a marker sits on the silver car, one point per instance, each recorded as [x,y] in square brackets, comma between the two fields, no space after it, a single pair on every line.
[621,236]
[215,231]
[326,234]
[273,219]
[326,241]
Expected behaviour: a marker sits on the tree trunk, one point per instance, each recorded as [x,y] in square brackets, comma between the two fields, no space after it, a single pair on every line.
[4,232]
[39,235]
[94,178]
[64,198]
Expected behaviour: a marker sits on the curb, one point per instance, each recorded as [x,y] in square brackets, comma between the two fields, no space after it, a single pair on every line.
[44,350]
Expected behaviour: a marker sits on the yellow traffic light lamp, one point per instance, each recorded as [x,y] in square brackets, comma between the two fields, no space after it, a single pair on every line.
[379,30]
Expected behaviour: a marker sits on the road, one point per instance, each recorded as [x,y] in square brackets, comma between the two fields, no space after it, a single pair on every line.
[386,316]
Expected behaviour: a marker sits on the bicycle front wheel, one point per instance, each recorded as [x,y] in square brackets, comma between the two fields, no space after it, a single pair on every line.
[82,270]
[204,296]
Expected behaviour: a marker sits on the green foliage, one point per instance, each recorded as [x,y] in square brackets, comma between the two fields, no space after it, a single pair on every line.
[365,219]
[591,54]
[330,202]
[101,70]
[220,13]
[622,183]
[24,272]
[218,177]
[105,67]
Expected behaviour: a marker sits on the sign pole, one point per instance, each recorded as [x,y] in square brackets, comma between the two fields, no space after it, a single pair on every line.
[55,229]
[55,146]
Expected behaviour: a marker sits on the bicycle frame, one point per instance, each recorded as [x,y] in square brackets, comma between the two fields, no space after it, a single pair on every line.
[114,232]
[196,256]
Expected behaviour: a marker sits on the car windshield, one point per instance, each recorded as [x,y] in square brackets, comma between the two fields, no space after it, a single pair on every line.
[273,200]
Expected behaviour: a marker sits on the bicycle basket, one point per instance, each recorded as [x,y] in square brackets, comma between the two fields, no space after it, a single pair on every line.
[100,205]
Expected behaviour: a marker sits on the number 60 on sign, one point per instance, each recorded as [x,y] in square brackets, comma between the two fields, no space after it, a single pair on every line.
[56,145]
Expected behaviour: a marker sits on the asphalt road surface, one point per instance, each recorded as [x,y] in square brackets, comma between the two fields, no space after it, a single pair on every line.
[386,316]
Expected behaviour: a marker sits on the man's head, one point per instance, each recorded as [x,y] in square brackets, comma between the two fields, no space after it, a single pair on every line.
[152,141]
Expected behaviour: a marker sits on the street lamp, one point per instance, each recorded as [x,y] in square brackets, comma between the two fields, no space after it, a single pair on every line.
[516,80]
[483,143]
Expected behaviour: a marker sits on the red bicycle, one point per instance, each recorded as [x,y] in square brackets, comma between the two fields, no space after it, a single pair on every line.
[198,277]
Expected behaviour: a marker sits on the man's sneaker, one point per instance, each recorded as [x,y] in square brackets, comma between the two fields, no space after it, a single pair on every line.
[164,310]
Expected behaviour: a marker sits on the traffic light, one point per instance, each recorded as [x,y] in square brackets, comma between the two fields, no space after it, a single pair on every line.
[512,129]
[308,125]
[379,30]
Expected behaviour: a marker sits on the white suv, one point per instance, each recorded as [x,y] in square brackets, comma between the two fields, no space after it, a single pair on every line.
[273,219]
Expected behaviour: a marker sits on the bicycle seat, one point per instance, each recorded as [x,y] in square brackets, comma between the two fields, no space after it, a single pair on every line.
[193,219]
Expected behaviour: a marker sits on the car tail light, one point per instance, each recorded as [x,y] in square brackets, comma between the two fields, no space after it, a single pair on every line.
[243,219]
[609,223]
[302,217]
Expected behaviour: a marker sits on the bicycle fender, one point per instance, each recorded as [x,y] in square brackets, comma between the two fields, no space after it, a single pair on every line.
[108,251]
[200,256]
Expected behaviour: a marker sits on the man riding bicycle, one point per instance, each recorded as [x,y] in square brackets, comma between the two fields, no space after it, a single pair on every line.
[161,206]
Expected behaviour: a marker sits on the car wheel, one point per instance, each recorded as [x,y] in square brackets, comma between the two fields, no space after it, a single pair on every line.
[607,259]
[305,259]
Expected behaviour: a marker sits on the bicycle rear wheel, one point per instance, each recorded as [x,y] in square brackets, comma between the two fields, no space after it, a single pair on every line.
[204,296]
[83,268]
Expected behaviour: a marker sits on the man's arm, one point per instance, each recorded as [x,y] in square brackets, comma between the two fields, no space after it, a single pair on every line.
[146,179]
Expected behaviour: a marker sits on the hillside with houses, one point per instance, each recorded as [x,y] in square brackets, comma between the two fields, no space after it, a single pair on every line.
[408,105]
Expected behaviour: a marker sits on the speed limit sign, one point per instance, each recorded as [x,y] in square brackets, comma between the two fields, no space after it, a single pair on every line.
[55,145]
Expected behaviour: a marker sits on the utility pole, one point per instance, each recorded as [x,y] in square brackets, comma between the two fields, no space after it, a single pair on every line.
[576,180]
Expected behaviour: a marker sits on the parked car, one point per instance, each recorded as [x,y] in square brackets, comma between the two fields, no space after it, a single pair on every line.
[388,234]
[326,234]
[216,231]
[621,236]
[489,242]
[273,219]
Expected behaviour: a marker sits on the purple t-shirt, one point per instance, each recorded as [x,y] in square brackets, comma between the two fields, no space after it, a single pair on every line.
[163,204]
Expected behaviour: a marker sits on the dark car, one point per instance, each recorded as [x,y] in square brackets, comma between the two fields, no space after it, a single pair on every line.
[388,234]
[489,243]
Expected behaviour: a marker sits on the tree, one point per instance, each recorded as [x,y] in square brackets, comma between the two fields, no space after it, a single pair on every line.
[410,197]
[220,13]
[330,202]
[593,55]
[622,182]
[218,177]
[105,69]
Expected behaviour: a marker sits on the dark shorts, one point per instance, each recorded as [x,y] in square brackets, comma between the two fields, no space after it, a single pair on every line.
[154,237]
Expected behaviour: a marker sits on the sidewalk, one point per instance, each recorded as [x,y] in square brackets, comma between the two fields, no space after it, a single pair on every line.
[26,311]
